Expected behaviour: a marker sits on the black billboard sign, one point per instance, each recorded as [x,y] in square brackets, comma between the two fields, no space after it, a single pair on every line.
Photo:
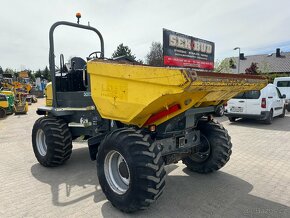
[180,50]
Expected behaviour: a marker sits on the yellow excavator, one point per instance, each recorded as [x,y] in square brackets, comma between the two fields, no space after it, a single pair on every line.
[18,92]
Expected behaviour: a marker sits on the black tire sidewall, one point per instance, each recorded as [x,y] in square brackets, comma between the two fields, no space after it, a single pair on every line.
[44,160]
[283,113]
[288,107]
[232,119]
[146,167]
[220,148]
[128,196]
[2,113]
[58,150]
[269,119]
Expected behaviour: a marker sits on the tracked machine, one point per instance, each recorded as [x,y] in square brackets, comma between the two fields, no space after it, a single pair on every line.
[136,120]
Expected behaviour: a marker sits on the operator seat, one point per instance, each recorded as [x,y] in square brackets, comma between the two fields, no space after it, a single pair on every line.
[77,63]
[75,75]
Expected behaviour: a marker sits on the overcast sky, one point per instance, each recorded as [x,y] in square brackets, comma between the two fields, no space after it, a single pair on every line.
[257,26]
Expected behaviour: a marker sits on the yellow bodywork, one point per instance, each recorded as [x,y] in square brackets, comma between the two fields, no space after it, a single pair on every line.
[4,104]
[48,94]
[5,92]
[20,106]
[133,93]
[17,85]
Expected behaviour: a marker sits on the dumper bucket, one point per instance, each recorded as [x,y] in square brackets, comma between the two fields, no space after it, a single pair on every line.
[21,108]
[142,95]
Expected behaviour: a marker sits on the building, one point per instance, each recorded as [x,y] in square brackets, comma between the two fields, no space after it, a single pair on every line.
[275,63]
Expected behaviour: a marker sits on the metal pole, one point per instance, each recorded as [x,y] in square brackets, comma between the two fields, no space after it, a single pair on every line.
[239,61]
[238,58]
[51,51]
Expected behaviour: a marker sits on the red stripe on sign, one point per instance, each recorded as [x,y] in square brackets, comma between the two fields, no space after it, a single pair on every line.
[187,62]
[162,114]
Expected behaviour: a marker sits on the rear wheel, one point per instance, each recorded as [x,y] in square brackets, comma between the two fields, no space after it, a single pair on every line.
[214,151]
[52,141]
[269,118]
[130,169]
[232,119]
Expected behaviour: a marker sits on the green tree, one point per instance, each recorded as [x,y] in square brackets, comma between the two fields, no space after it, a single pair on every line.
[46,74]
[253,69]
[38,74]
[155,55]
[31,75]
[16,75]
[123,50]
[232,63]
[222,66]
[264,67]
[9,70]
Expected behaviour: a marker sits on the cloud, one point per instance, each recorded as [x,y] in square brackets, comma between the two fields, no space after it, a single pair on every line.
[253,25]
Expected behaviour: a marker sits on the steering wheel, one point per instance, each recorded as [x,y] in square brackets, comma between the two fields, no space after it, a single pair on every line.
[97,54]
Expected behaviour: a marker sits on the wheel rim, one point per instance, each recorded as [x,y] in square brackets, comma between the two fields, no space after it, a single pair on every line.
[117,172]
[221,111]
[203,150]
[40,142]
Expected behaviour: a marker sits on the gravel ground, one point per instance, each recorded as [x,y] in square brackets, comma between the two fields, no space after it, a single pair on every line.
[255,182]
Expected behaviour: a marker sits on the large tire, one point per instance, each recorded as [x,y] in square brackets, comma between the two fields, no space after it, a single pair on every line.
[52,141]
[138,179]
[215,150]
[2,113]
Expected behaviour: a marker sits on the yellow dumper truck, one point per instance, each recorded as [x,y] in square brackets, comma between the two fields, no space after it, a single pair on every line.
[4,105]
[137,119]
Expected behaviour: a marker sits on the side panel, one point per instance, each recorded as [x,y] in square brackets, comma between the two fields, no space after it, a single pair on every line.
[254,102]
[133,94]
[74,99]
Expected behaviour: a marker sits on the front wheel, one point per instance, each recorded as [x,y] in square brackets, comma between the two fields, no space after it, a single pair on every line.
[283,112]
[51,141]
[288,107]
[130,169]
[213,152]
[2,113]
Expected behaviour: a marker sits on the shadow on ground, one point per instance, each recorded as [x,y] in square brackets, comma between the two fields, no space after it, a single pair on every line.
[191,195]
[280,124]
[214,195]
[79,171]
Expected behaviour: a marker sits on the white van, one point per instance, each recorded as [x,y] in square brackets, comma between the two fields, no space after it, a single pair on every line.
[260,105]
[283,84]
